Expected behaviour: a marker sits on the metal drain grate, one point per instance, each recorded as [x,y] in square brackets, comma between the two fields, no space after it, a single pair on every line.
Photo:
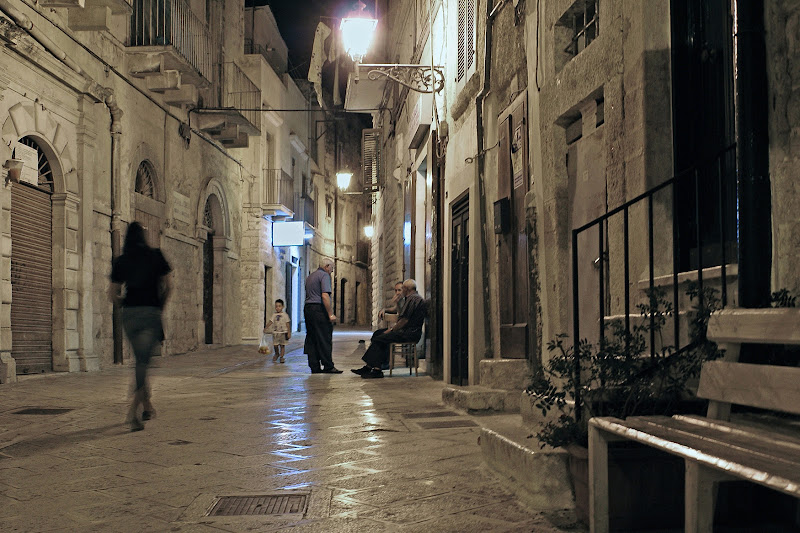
[267,504]
[42,411]
[430,414]
[441,424]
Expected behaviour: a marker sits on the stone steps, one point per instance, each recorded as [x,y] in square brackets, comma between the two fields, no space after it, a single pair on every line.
[539,477]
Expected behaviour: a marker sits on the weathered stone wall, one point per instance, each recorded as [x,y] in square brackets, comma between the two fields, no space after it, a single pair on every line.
[627,69]
[782,21]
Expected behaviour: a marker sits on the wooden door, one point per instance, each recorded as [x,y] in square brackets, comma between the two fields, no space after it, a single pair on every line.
[459,295]
[513,245]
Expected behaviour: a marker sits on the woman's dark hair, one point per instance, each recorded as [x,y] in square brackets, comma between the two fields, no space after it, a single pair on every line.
[134,239]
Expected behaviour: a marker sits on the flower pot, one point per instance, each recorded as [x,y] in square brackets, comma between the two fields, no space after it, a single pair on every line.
[645,486]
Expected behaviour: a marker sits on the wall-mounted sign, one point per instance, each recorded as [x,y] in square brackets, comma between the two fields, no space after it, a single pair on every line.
[180,208]
[288,233]
[517,161]
[419,122]
[30,158]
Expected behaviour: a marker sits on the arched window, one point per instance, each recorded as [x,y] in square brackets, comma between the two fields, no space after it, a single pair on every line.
[145,179]
[45,172]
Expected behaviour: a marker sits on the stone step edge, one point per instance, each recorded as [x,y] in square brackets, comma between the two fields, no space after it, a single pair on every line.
[476,399]
[538,477]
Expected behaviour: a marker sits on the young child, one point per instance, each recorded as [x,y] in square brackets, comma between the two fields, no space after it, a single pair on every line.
[281,330]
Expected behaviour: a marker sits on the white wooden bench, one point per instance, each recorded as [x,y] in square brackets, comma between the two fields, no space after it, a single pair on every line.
[714,447]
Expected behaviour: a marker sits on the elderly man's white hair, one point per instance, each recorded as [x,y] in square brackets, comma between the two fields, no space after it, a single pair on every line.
[410,284]
[325,262]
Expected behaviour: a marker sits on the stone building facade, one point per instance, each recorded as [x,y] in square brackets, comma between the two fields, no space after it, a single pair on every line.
[166,113]
[552,115]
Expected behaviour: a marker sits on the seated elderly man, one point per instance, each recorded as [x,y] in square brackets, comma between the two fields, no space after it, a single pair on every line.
[407,329]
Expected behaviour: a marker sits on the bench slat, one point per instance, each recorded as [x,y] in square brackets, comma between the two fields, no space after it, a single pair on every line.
[783,476]
[751,428]
[763,386]
[776,326]
[770,447]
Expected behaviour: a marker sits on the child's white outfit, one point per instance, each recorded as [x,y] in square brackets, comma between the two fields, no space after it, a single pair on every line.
[280,327]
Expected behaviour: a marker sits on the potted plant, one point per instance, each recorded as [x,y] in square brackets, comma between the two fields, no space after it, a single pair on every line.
[621,376]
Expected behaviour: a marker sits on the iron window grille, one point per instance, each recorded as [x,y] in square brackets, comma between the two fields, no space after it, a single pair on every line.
[583,19]
[145,182]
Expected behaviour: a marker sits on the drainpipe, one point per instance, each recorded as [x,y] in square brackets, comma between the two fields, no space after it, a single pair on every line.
[116,220]
[480,170]
[752,143]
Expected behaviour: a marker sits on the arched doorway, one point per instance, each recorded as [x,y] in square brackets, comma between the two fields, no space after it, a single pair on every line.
[32,263]
[208,275]
[214,252]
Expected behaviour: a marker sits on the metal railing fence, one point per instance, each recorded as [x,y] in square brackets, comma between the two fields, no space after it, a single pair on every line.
[278,188]
[171,22]
[238,92]
[705,179]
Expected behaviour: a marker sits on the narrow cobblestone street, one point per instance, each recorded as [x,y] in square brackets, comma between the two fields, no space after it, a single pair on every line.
[373,455]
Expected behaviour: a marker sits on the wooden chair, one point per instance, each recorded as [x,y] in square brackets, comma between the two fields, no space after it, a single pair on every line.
[407,350]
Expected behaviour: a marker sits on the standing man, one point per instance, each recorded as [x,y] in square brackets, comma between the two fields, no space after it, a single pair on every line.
[319,316]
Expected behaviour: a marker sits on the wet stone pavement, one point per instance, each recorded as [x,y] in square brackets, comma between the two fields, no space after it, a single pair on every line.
[334,452]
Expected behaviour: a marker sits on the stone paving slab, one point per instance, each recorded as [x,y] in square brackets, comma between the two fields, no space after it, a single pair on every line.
[372,455]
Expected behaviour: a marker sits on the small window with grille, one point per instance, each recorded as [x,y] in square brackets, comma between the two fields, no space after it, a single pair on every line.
[576,29]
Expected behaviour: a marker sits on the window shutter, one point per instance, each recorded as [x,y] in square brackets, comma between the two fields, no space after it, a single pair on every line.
[462,21]
[470,31]
[371,157]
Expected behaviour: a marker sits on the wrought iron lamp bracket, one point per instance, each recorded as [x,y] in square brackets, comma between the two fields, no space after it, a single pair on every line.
[419,78]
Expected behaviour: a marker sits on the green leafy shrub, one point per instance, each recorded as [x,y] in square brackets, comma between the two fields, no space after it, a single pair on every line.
[619,376]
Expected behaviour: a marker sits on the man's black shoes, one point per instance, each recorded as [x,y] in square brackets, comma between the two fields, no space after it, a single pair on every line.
[373,373]
[331,370]
[361,371]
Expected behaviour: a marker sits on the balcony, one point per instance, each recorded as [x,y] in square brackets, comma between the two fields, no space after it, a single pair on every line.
[307,210]
[362,254]
[239,115]
[278,193]
[171,48]
[90,15]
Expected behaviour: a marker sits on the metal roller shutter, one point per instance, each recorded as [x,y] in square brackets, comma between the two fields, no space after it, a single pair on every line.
[31,279]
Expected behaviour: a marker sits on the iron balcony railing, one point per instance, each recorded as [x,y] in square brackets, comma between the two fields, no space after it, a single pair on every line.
[309,211]
[706,188]
[278,188]
[241,94]
[172,23]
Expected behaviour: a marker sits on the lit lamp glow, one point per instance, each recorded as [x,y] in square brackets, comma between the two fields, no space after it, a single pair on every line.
[357,33]
[369,231]
[343,179]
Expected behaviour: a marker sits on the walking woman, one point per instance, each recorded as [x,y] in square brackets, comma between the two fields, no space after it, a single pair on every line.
[143,273]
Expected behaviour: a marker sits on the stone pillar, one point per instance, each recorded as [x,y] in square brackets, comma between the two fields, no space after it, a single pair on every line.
[252,269]
[8,366]
[66,267]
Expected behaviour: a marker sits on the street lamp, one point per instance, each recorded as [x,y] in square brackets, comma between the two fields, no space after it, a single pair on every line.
[357,33]
[369,232]
[343,178]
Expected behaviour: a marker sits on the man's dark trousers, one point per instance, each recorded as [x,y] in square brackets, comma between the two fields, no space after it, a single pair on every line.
[319,337]
[378,352]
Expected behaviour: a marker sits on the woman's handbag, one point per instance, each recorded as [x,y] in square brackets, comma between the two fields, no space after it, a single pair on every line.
[265,347]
